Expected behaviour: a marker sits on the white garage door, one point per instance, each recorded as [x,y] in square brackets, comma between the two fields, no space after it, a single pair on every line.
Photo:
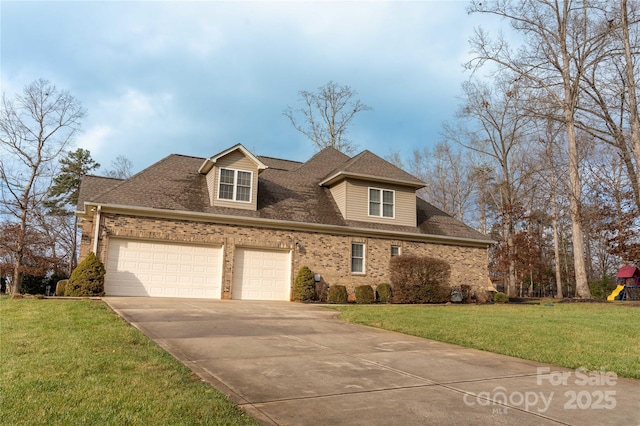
[159,269]
[261,274]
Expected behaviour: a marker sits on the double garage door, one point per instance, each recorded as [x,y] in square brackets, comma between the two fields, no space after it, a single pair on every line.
[159,269]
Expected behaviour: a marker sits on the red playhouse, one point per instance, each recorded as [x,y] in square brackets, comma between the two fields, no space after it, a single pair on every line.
[628,281]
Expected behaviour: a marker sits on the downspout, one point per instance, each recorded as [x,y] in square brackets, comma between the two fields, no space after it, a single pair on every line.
[96,232]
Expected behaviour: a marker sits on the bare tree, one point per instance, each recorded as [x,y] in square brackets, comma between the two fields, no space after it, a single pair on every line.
[548,138]
[491,123]
[446,171]
[121,168]
[632,88]
[325,116]
[608,107]
[35,128]
[560,42]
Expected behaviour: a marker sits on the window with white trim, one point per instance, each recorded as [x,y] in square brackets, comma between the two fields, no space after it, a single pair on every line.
[381,202]
[357,258]
[235,185]
[395,251]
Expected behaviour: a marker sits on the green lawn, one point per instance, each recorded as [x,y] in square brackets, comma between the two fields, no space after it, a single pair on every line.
[573,335]
[76,362]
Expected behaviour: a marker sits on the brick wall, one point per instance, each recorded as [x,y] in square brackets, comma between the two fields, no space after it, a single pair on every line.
[325,254]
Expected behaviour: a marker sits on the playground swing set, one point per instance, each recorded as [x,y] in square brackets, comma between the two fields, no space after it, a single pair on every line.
[628,284]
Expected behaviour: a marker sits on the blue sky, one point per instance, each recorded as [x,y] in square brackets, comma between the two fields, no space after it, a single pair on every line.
[197,77]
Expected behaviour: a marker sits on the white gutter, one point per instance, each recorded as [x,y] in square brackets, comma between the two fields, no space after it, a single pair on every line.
[283,224]
[96,232]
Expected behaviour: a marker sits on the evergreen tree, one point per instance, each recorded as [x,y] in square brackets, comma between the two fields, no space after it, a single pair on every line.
[66,185]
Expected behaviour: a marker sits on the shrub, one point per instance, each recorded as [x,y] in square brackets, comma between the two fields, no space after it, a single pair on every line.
[601,289]
[33,284]
[38,283]
[365,294]
[383,292]
[61,287]
[337,294]
[305,285]
[500,297]
[87,279]
[419,279]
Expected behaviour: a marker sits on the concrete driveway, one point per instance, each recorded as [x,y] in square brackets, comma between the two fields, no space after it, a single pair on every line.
[294,364]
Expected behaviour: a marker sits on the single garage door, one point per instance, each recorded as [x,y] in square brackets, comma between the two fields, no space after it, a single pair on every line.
[160,269]
[261,274]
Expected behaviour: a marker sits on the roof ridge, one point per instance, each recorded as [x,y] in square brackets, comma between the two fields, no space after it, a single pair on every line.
[280,159]
[102,177]
[195,157]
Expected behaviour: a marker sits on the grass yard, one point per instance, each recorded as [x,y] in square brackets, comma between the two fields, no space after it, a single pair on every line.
[573,335]
[76,362]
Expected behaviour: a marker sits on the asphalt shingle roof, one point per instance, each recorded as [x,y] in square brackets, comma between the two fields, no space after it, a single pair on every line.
[368,164]
[93,186]
[287,191]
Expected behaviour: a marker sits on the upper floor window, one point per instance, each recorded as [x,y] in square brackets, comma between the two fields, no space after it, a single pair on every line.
[381,202]
[235,185]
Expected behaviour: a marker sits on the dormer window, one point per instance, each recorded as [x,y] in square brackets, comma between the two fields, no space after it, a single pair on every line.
[381,202]
[235,185]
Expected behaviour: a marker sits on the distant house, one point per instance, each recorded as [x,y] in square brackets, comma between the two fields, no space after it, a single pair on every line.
[240,226]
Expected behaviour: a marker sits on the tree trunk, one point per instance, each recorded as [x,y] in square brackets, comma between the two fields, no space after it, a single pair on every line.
[73,260]
[17,275]
[582,284]
[16,282]
[556,244]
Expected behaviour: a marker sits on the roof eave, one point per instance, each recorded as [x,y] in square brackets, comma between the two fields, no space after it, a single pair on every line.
[337,177]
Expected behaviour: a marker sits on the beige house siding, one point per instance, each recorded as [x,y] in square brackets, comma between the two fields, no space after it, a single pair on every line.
[211,185]
[326,254]
[357,203]
[339,193]
[238,161]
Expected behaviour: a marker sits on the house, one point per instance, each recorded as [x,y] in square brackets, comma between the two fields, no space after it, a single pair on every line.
[240,226]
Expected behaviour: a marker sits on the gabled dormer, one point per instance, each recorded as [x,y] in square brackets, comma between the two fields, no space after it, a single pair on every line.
[369,189]
[232,178]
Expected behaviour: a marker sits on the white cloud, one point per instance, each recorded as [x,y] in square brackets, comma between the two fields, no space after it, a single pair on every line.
[124,125]
[190,77]
[95,139]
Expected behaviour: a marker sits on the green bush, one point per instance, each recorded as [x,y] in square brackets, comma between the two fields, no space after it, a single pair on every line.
[38,283]
[601,289]
[500,297]
[418,279]
[61,287]
[383,292]
[87,279]
[365,294]
[337,294]
[305,285]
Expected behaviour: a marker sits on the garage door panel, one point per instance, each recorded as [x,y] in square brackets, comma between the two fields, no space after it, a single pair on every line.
[140,268]
[260,274]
